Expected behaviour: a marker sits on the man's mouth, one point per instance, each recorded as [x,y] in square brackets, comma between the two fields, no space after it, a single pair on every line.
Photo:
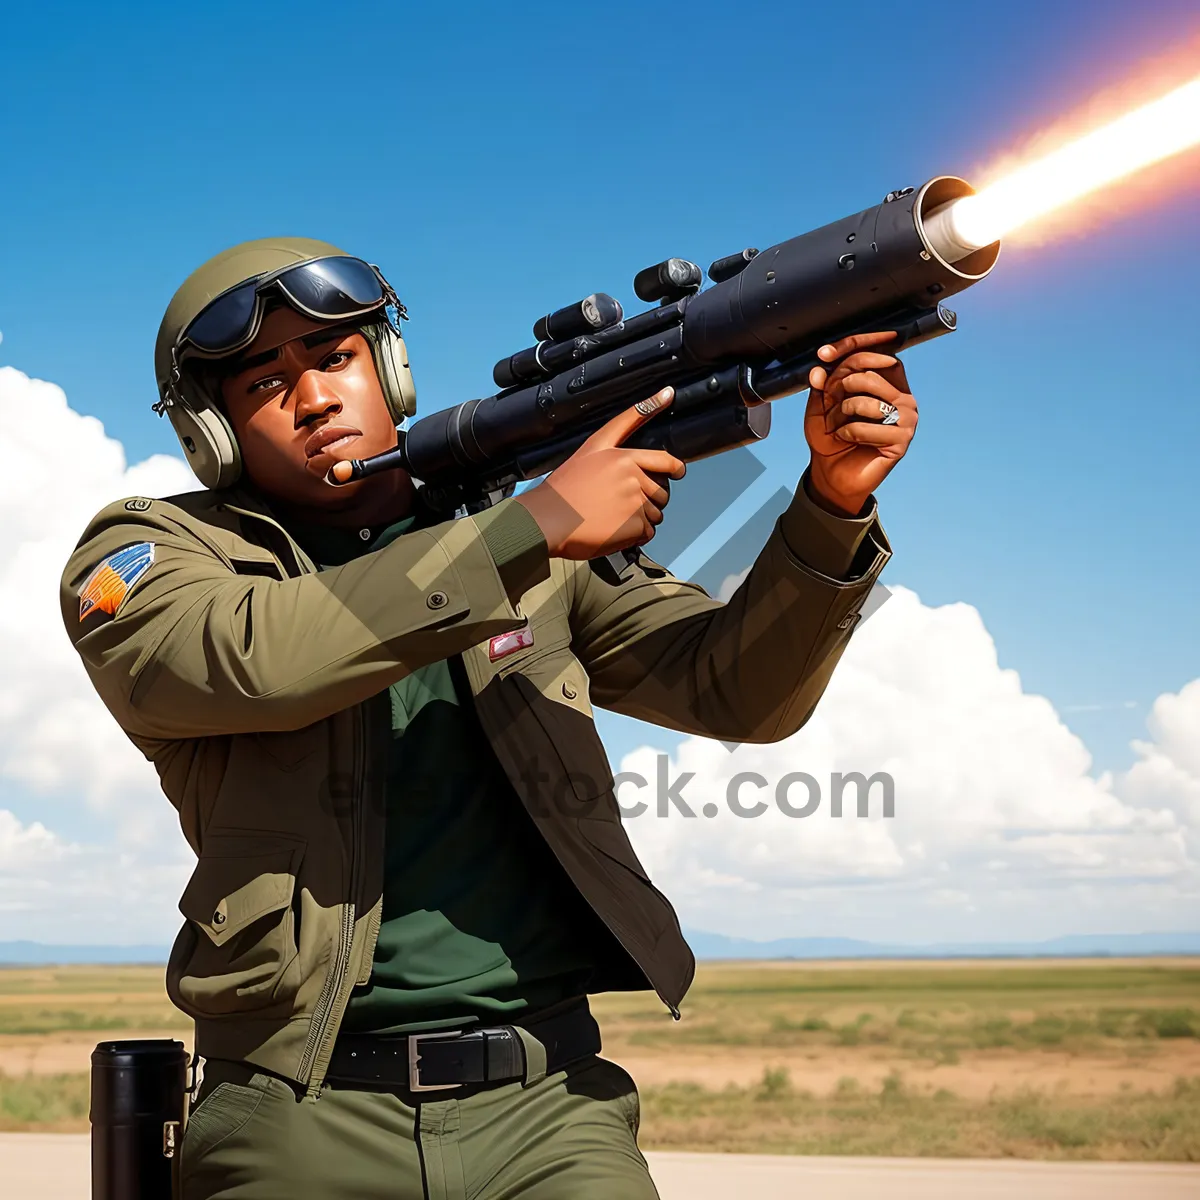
[327,438]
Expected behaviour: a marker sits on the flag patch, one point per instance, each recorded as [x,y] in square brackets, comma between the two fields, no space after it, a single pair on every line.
[111,581]
[510,643]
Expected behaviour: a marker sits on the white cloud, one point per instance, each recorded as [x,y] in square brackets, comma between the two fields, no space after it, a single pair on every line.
[1167,772]
[60,751]
[996,803]
[23,846]
[46,883]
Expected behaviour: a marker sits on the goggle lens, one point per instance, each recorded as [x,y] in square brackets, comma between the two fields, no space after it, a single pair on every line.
[332,287]
[226,321]
[325,288]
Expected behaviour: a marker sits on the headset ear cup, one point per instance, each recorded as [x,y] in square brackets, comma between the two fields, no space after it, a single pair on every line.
[208,443]
[395,376]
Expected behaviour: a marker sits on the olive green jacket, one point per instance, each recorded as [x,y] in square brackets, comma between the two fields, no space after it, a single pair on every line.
[257,687]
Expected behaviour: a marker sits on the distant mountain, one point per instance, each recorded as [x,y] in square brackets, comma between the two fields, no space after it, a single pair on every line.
[715,945]
[37,954]
[1117,945]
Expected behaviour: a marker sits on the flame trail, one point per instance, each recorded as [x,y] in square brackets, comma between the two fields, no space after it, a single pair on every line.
[1147,135]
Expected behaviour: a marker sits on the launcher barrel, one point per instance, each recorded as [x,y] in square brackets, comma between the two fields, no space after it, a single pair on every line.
[749,338]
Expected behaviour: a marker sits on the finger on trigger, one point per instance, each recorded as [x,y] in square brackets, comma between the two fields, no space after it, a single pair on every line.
[614,431]
[652,404]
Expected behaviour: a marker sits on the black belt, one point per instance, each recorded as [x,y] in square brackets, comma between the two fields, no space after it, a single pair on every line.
[441,1059]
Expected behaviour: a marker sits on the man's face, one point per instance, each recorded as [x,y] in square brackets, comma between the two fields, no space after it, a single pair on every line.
[303,396]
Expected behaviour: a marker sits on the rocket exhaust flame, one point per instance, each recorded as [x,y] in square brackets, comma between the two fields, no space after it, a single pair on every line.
[1147,135]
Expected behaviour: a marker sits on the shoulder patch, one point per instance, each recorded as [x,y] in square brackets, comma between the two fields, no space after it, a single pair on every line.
[108,585]
[138,504]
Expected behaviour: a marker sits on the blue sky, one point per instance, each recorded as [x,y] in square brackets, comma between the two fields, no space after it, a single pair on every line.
[498,161]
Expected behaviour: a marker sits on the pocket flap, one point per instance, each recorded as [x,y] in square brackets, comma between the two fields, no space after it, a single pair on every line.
[238,880]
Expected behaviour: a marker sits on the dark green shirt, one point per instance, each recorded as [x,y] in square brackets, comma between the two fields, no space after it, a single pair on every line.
[479,919]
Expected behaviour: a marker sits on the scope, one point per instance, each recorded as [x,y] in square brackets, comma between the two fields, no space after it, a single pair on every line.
[596,311]
[668,281]
[589,315]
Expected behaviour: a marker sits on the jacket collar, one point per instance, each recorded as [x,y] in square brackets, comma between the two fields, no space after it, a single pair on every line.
[248,502]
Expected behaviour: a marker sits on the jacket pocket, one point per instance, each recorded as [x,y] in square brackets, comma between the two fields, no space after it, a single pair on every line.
[237,953]
[554,690]
[222,1114]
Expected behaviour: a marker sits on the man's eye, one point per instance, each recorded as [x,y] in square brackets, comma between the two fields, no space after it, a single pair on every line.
[266,385]
[337,358]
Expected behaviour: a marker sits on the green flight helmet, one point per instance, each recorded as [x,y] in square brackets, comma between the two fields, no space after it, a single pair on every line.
[189,396]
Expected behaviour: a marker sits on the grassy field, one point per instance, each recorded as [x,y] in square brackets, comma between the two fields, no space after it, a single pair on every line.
[1037,1059]
[931,1012]
[38,1001]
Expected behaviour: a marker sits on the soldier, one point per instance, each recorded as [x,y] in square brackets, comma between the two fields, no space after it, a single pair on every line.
[375,722]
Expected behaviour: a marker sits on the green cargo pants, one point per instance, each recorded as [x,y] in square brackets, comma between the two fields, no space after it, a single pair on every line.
[567,1136]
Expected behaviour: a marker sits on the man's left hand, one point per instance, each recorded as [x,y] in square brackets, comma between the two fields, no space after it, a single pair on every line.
[852,450]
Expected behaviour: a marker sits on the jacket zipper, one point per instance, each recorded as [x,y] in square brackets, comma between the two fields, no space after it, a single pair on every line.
[323,1012]
[322,1018]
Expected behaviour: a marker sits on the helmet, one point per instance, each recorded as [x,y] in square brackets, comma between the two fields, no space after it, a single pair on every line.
[190,399]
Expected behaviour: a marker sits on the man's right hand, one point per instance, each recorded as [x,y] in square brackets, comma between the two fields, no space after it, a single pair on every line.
[604,498]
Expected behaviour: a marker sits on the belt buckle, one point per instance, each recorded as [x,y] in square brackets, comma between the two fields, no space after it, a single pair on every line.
[414,1063]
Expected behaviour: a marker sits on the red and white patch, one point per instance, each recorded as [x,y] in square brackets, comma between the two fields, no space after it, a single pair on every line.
[509,643]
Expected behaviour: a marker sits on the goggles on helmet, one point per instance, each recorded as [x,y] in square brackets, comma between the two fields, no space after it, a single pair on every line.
[334,288]
[328,289]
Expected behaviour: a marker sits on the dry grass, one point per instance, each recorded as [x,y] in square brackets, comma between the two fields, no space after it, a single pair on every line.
[53,1000]
[773,1117]
[924,1011]
[1069,1059]
[46,1103]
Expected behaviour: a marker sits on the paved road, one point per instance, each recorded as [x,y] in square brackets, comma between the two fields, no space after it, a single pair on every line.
[42,1166]
[785,1177]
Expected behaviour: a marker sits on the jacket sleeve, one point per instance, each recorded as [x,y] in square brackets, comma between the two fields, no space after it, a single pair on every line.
[196,648]
[661,649]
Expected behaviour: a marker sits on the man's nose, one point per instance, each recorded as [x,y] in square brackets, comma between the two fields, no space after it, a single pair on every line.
[315,397]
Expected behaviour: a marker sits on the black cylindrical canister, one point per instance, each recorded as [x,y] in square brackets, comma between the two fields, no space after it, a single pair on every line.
[137,1118]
